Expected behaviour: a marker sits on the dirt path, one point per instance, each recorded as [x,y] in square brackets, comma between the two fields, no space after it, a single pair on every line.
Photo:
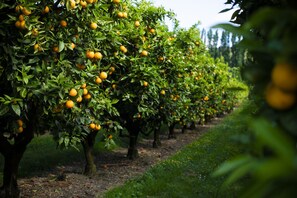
[113,169]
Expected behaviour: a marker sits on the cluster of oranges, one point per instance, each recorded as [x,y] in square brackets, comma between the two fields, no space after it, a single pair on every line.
[281,91]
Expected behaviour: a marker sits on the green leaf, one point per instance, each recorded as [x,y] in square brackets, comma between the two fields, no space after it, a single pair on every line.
[61,46]
[274,138]
[16,108]
[3,109]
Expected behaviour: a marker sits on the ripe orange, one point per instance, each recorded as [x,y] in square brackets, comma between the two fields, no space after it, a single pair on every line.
[98,80]
[83,4]
[90,54]
[85,91]
[206,98]
[72,4]
[93,25]
[162,92]
[152,30]
[63,23]
[120,14]
[116,1]
[21,17]
[72,45]
[123,49]
[20,122]
[36,47]
[92,126]
[284,76]
[144,53]
[83,86]
[23,25]
[46,10]
[73,92]
[137,23]
[161,58]
[125,15]
[20,129]
[145,84]
[69,104]
[97,127]
[79,99]
[18,24]
[56,49]
[98,55]
[90,1]
[26,12]
[87,97]
[103,75]
[278,99]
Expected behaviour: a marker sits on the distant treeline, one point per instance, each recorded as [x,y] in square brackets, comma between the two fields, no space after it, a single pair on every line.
[221,43]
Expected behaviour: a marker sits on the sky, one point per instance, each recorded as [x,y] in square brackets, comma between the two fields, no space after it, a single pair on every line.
[189,12]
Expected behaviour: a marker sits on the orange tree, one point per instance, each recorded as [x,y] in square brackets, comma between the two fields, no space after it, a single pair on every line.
[269,29]
[137,81]
[53,78]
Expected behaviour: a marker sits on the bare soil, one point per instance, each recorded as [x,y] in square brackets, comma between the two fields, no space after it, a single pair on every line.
[113,169]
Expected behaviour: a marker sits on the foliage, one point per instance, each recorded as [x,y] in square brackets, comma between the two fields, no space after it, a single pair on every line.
[268,28]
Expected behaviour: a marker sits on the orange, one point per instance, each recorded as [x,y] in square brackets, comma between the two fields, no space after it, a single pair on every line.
[97,127]
[112,69]
[87,97]
[26,12]
[83,86]
[120,14]
[36,47]
[103,75]
[162,92]
[114,86]
[69,104]
[284,76]
[145,84]
[123,49]
[20,129]
[83,4]
[89,1]
[98,80]
[21,17]
[79,99]
[206,98]
[278,99]
[144,53]
[56,49]
[72,4]
[161,58]
[93,26]
[20,122]
[18,24]
[46,10]
[116,1]
[92,126]
[137,23]
[73,92]
[152,30]
[63,23]
[98,55]
[90,54]
[85,91]
[125,15]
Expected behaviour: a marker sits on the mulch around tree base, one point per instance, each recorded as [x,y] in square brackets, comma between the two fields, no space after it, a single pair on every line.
[113,169]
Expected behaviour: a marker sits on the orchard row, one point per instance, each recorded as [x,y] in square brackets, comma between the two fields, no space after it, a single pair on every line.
[77,68]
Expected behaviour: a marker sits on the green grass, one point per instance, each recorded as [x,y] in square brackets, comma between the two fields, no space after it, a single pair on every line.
[189,172]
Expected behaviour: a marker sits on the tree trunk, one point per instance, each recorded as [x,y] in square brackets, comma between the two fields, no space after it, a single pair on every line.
[171,134]
[133,129]
[88,145]
[11,163]
[157,141]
